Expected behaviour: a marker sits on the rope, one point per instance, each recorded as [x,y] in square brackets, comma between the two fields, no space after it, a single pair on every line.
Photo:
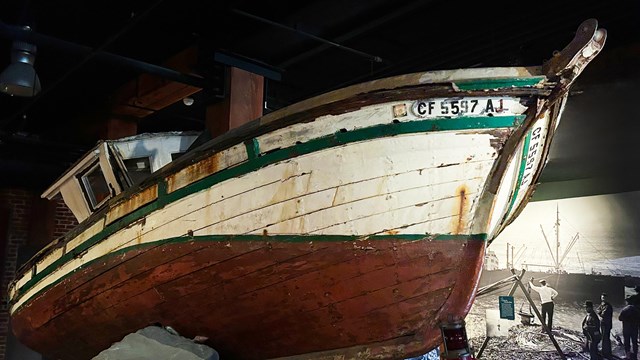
[616,269]
[495,286]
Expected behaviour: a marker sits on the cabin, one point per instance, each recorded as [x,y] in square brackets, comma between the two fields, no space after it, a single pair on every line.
[113,166]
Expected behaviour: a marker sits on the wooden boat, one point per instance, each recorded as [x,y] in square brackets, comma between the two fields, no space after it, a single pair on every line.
[351,224]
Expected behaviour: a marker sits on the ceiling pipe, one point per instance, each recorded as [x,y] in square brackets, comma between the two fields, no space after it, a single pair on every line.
[375,23]
[373,58]
[18,33]
[462,58]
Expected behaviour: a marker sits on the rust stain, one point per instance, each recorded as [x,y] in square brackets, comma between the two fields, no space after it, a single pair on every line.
[287,187]
[335,196]
[194,172]
[462,209]
[134,202]
[392,232]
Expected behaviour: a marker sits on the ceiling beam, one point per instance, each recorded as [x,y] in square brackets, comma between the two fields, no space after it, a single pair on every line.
[147,94]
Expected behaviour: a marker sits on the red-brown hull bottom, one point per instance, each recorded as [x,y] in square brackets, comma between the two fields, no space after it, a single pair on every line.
[257,300]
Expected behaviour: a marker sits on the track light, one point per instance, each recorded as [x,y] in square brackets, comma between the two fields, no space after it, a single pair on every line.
[188,101]
[20,78]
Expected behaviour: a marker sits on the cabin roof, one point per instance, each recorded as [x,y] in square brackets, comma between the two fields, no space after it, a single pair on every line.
[92,154]
[103,172]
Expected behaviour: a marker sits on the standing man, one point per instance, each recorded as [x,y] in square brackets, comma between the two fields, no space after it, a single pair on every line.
[630,317]
[591,330]
[635,301]
[635,298]
[605,312]
[547,295]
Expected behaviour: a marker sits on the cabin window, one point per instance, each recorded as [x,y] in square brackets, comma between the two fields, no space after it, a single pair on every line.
[95,186]
[176,155]
[138,168]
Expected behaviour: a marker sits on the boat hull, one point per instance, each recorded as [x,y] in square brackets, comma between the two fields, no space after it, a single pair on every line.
[315,295]
[349,225]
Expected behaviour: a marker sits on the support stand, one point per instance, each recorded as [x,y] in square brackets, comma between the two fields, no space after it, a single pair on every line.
[517,282]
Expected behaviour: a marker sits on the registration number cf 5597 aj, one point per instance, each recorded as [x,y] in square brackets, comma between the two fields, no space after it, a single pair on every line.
[454,107]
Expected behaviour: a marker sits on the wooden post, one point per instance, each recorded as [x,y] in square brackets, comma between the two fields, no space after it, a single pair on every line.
[243,102]
[514,287]
[518,283]
[535,309]
[484,345]
[117,127]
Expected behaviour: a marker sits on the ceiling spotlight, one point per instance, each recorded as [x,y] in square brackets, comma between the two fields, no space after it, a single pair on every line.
[20,78]
[188,101]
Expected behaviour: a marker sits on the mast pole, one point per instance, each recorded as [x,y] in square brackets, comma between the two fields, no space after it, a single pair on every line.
[557,239]
[513,265]
[508,267]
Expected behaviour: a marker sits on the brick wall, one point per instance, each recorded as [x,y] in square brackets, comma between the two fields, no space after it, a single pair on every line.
[27,224]
[64,219]
[17,206]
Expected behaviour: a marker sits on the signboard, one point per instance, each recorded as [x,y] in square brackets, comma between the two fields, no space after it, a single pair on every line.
[507,309]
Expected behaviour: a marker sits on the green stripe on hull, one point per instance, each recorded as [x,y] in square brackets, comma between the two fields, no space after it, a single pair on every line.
[330,238]
[523,165]
[343,138]
[492,84]
[326,142]
[246,238]
[253,148]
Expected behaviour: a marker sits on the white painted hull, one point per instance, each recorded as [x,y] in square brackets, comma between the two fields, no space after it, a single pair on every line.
[404,180]
[426,183]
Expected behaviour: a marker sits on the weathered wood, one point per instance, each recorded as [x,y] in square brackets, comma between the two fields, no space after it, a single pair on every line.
[281,301]
[149,93]
[352,224]
[243,102]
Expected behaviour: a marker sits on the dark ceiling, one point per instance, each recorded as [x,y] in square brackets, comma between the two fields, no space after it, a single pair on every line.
[88,49]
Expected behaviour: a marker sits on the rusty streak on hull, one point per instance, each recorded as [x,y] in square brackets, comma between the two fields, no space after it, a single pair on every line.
[315,297]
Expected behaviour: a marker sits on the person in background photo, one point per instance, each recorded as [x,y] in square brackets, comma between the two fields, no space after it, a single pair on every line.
[591,330]
[547,296]
[635,301]
[630,317]
[635,298]
[605,312]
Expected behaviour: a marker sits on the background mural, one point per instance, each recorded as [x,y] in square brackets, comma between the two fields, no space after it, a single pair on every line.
[606,227]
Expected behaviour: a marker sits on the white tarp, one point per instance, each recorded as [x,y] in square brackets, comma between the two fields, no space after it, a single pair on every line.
[157,343]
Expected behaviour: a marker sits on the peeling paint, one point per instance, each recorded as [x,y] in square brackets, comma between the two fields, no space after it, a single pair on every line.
[134,202]
[447,165]
[195,172]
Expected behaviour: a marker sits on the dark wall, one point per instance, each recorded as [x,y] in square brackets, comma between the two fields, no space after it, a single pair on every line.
[27,224]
